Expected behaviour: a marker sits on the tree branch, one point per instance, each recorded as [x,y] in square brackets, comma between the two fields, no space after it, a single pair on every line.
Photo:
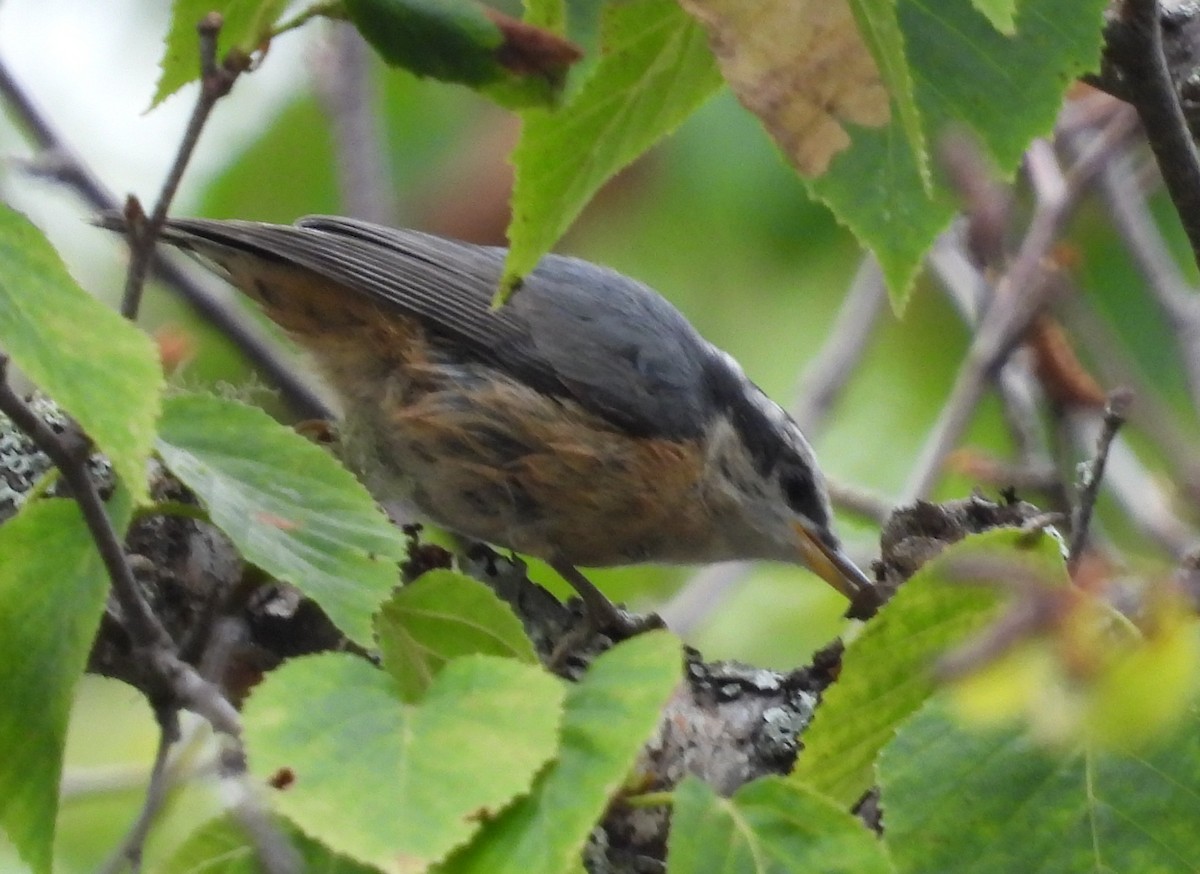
[216,80]
[176,680]
[1020,295]
[130,849]
[343,84]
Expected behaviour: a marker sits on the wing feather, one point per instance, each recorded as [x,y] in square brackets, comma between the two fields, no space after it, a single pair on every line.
[573,330]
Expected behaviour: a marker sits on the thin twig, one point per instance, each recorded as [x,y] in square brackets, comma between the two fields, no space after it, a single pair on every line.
[1139,492]
[273,848]
[130,849]
[827,374]
[859,502]
[1181,38]
[700,594]
[343,83]
[1156,419]
[1138,51]
[69,452]
[216,80]
[229,320]
[1021,293]
[1092,474]
[967,288]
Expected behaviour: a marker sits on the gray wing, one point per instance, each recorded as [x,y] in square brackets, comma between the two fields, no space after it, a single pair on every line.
[574,329]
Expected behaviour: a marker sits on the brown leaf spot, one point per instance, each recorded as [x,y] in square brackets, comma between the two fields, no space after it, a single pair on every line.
[1059,369]
[176,347]
[276,521]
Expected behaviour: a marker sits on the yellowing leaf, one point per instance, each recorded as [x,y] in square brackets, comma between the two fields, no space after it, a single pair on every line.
[1150,688]
[802,67]
[1092,675]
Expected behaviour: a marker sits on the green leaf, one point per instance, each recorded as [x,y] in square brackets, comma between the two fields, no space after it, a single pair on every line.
[1001,13]
[100,369]
[874,188]
[287,505]
[996,802]
[656,69]
[885,675]
[463,41]
[880,29]
[246,26]
[221,846]
[442,616]
[53,586]
[1004,89]
[610,714]
[769,826]
[451,40]
[394,785]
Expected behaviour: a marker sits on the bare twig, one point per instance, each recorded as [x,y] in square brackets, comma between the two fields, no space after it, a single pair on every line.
[828,373]
[178,680]
[1141,496]
[1180,36]
[1139,493]
[986,202]
[1150,415]
[215,82]
[273,848]
[1021,293]
[130,849]
[859,502]
[1138,50]
[279,369]
[343,82]
[967,288]
[1092,474]
[69,453]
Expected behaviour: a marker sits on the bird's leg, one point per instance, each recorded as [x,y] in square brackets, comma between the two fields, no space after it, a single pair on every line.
[602,614]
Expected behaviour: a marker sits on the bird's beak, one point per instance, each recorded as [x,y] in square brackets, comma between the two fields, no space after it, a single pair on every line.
[835,568]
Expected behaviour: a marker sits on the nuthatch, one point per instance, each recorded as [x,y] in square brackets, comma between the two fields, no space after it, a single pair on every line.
[585,422]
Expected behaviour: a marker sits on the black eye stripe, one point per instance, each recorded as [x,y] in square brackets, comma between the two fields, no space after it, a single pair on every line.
[803,495]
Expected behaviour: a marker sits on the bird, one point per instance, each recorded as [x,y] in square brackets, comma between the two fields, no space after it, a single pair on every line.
[585,422]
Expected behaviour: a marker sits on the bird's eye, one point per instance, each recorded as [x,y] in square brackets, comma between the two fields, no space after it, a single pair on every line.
[802,494]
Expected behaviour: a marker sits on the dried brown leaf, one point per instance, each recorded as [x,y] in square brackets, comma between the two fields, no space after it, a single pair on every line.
[802,67]
[1062,375]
